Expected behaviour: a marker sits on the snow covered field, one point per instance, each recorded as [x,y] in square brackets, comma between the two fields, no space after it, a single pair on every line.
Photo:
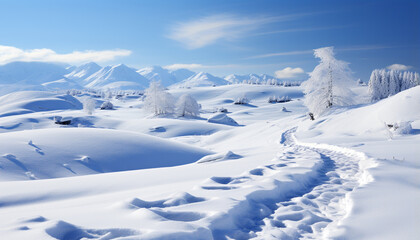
[124,174]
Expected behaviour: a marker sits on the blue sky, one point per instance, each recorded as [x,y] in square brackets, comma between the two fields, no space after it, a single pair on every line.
[220,37]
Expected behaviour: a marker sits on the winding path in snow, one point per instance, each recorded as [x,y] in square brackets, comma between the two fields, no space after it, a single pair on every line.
[318,211]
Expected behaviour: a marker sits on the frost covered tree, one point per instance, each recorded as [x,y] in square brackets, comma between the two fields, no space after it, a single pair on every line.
[383,83]
[187,106]
[89,105]
[157,100]
[328,84]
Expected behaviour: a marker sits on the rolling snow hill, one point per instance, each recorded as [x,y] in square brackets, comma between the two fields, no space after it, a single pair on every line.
[274,175]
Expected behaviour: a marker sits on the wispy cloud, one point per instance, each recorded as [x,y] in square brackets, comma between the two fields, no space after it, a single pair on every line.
[208,30]
[11,54]
[399,67]
[281,54]
[300,30]
[342,49]
[289,72]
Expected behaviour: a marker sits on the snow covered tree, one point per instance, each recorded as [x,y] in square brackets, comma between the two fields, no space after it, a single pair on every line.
[157,100]
[187,106]
[328,84]
[383,83]
[89,105]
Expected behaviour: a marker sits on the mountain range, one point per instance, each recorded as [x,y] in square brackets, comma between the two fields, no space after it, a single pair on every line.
[50,76]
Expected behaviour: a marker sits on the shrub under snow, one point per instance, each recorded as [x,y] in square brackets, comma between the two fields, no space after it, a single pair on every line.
[107,106]
[157,100]
[187,106]
[241,100]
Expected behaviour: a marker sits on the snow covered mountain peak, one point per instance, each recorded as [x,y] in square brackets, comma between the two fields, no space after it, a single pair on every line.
[117,76]
[202,79]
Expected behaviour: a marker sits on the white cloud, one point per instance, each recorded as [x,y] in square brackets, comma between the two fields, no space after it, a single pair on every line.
[11,54]
[289,72]
[398,67]
[208,30]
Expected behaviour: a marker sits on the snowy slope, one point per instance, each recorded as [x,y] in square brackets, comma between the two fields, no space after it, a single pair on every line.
[62,84]
[394,190]
[157,73]
[181,74]
[201,79]
[117,77]
[64,152]
[275,175]
[35,101]
[31,73]
[80,73]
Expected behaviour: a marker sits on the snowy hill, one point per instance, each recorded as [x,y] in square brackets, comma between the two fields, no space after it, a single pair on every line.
[82,72]
[165,76]
[274,175]
[201,79]
[31,73]
[181,74]
[62,84]
[117,77]
[17,103]
[66,152]
[157,73]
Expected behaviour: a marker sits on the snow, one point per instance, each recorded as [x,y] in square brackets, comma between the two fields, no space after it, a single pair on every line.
[222,118]
[125,173]
[117,77]
[158,74]
[201,79]
[65,152]
[82,72]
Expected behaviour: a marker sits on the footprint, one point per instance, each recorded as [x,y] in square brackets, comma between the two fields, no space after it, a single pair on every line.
[257,172]
[37,219]
[291,217]
[180,216]
[222,180]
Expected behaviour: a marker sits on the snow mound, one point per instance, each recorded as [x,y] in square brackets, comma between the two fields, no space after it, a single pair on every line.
[219,157]
[35,101]
[64,152]
[222,118]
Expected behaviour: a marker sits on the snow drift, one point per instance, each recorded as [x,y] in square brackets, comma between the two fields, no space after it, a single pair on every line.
[64,152]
